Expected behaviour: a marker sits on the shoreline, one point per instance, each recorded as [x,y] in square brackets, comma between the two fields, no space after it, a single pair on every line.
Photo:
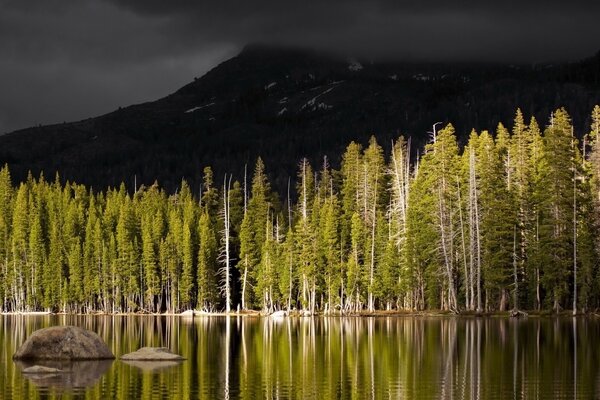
[298,314]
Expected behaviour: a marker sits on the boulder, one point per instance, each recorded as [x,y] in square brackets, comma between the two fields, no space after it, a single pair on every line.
[63,343]
[152,354]
[279,314]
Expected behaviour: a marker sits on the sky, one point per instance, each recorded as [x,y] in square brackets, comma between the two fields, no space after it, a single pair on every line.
[65,60]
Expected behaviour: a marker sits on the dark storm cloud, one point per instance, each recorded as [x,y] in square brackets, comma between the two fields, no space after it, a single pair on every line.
[513,30]
[69,59]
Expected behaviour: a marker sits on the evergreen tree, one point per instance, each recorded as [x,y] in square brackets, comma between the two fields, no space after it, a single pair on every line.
[253,232]
[498,221]
[556,219]
[207,268]
[511,214]
[6,209]
[20,230]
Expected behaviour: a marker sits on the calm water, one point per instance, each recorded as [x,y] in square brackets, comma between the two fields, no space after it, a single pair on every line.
[323,358]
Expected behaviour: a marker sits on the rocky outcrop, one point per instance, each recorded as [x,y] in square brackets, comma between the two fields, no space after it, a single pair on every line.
[152,354]
[63,343]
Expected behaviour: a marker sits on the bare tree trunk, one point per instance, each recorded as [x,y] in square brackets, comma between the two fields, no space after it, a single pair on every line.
[516,280]
[538,299]
[225,255]
[341,281]
[574,239]
[372,268]
[244,282]
[464,249]
[291,260]
[502,299]
[445,252]
[476,223]
[289,301]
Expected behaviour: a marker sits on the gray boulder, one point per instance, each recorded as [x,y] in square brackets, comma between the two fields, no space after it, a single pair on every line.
[152,354]
[63,343]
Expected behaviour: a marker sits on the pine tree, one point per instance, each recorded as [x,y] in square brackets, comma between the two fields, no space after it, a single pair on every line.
[306,236]
[556,220]
[355,265]
[588,222]
[421,249]
[149,261]
[207,268]
[20,230]
[92,255]
[330,249]
[225,254]
[535,257]
[440,167]
[351,172]
[266,276]
[372,198]
[6,209]
[400,176]
[518,213]
[37,251]
[53,273]
[253,232]
[498,220]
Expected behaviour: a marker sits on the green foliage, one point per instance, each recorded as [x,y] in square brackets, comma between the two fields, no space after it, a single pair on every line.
[512,214]
[207,264]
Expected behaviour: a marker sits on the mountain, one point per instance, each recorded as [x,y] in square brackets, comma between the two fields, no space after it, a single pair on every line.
[283,104]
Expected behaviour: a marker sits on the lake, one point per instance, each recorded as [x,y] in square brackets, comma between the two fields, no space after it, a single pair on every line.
[322,358]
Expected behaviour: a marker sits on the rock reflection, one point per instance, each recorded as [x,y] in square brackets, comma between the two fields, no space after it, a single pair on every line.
[72,375]
[152,366]
[462,358]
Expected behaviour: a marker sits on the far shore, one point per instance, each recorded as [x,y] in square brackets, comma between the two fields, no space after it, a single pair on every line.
[299,314]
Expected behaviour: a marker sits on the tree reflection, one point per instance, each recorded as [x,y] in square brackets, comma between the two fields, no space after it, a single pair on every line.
[328,357]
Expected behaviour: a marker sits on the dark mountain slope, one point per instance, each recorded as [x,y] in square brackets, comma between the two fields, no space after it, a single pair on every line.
[285,104]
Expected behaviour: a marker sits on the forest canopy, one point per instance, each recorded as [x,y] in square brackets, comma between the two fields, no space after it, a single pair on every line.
[509,221]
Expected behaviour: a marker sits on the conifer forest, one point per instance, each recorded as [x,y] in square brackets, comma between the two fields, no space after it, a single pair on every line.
[509,220]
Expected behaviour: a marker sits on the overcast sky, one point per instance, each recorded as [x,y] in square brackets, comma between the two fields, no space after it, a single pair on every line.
[63,60]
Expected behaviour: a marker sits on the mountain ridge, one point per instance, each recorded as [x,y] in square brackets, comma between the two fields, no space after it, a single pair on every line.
[285,103]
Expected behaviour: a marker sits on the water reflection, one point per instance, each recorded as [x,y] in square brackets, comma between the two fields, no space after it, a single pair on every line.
[345,358]
[152,366]
[72,375]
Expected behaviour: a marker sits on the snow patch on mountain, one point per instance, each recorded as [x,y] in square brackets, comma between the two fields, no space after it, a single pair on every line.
[191,110]
[354,65]
[421,77]
[311,102]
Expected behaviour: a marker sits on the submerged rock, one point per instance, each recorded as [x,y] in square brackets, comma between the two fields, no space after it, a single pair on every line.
[63,343]
[39,369]
[152,354]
